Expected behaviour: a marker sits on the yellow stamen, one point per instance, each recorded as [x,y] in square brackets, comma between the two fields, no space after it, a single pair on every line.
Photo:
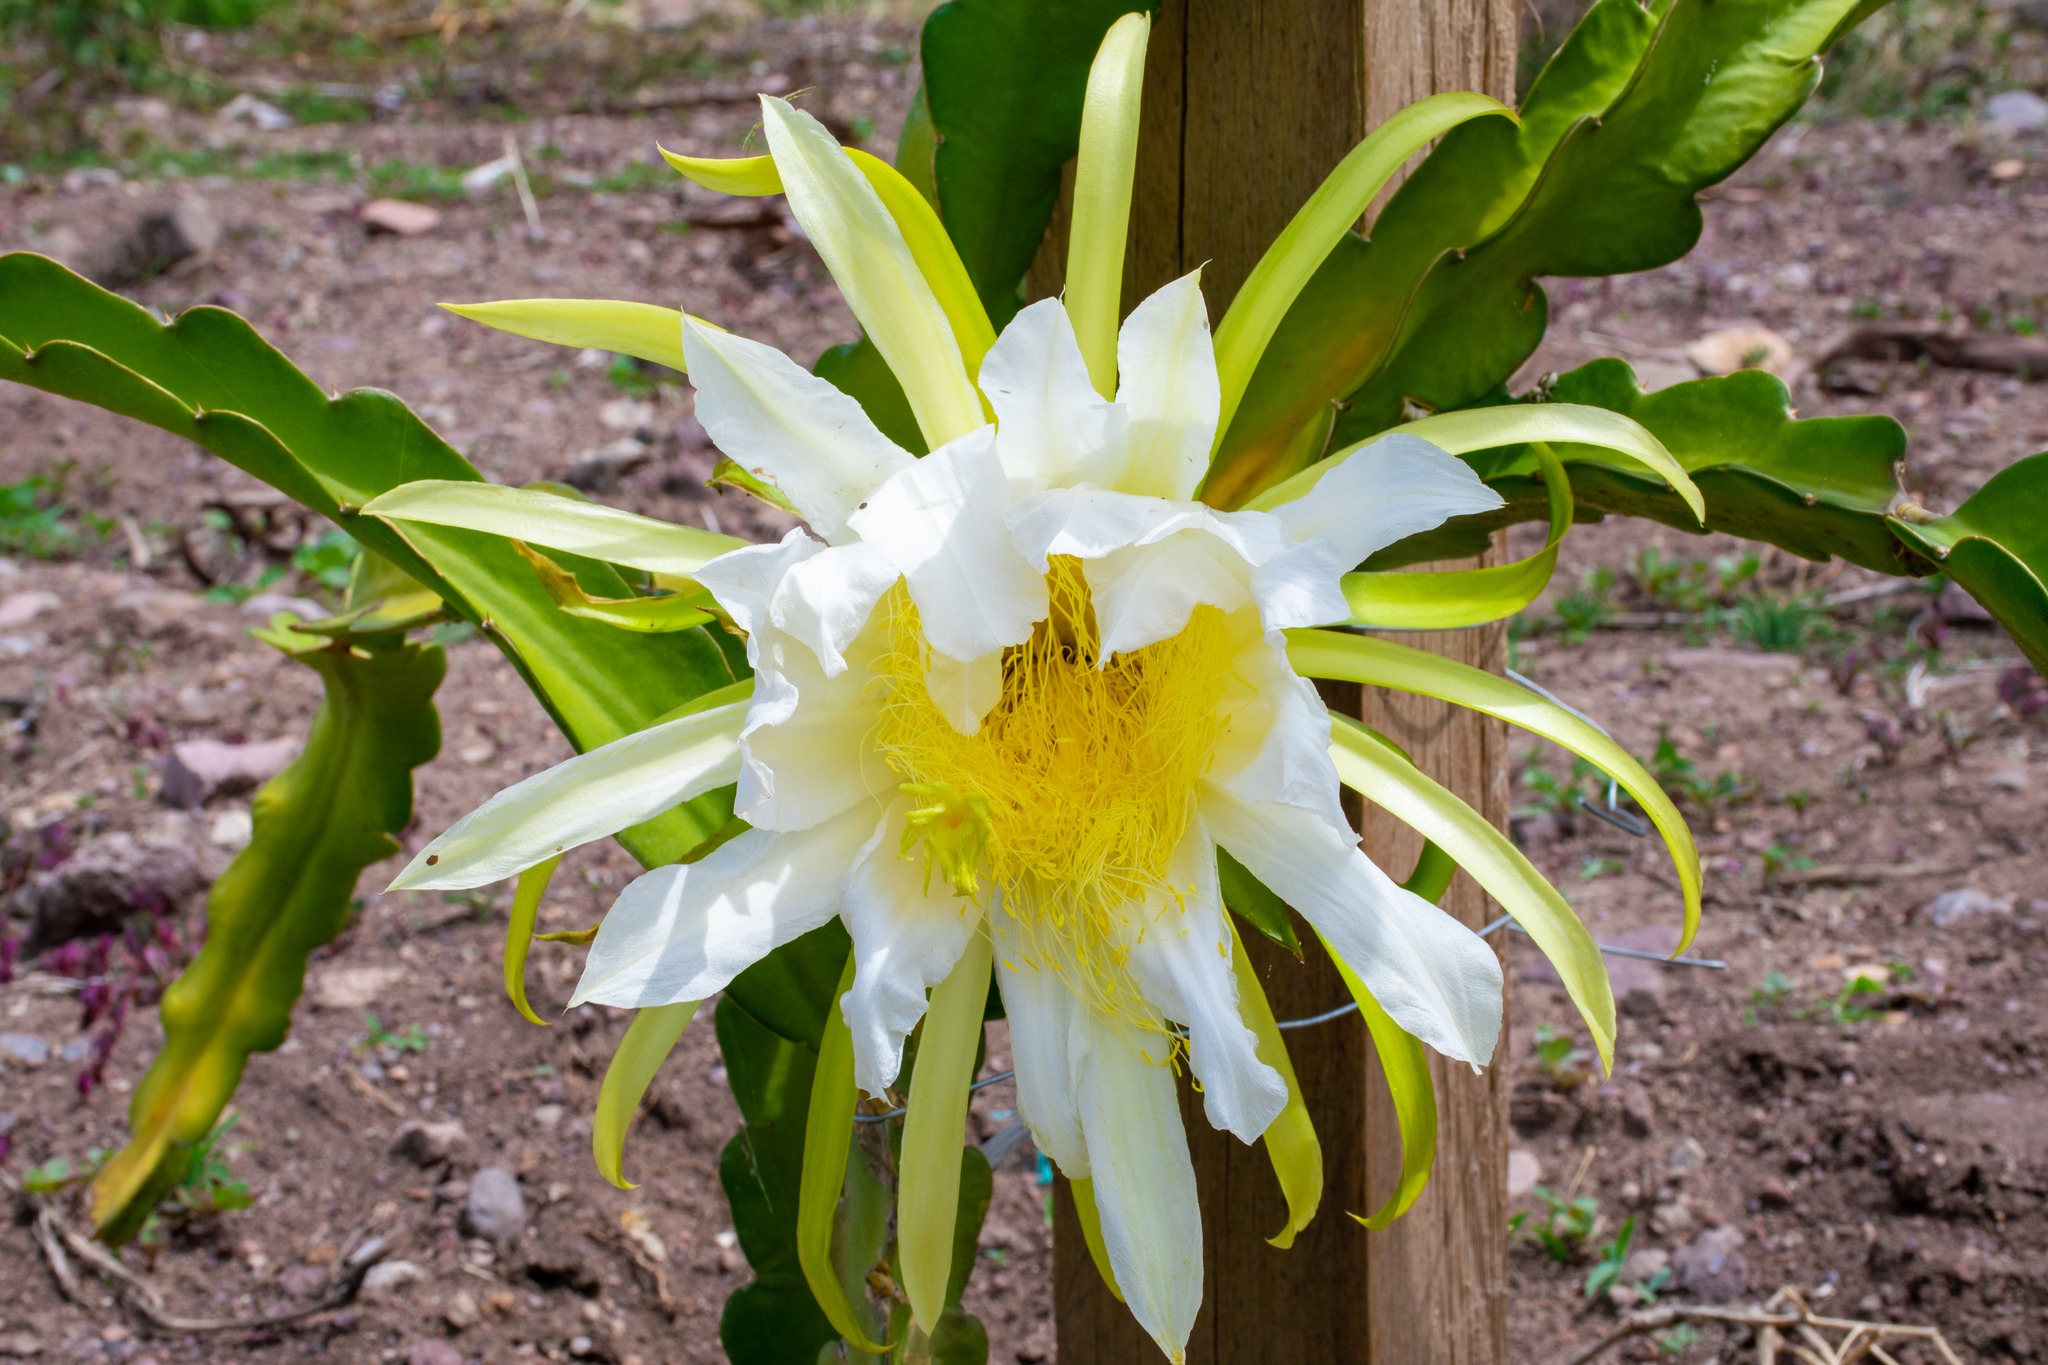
[1075,791]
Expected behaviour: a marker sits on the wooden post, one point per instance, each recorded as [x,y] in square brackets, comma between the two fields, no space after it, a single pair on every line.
[1248,104]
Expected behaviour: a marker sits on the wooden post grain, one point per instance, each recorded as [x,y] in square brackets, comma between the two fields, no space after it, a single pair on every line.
[1248,104]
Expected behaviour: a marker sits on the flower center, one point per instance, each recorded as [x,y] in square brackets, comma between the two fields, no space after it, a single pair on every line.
[1080,783]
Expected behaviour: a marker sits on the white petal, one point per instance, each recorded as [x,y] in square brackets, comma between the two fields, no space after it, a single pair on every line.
[1090,522]
[1041,1011]
[1302,586]
[805,749]
[826,600]
[965,692]
[908,930]
[588,797]
[745,581]
[1275,746]
[1438,979]
[873,266]
[1146,593]
[1144,1181]
[684,931]
[1168,383]
[789,427]
[1396,487]
[941,523]
[1049,419]
[1183,964]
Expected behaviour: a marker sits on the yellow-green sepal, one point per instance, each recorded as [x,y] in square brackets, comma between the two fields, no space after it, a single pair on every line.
[1405,1064]
[751,176]
[1382,775]
[927,1205]
[1316,228]
[526,896]
[645,330]
[828,1132]
[1090,1219]
[646,615]
[649,1039]
[1465,597]
[1383,663]
[1291,1143]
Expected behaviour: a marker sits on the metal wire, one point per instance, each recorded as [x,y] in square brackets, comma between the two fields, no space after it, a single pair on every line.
[1626,821]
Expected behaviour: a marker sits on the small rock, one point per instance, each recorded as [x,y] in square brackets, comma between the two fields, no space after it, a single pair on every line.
[500,1303]
[269,604]
[547,1117]
[17,609]
[232,830]
[2016,111]
[302,1281]
[432,1351]
[429,1144]
[354,988]
[24,1049]
[386,1278]
[1774,1194]
[198,770]
[1952,907]
[1712,1267]
[2012,779]
[581,1347]
[1525,1172]
[20,1344]
[495,1209]
[599,470]
[399,217]
[1741,348]
[1672,1218]
[627,414]
[1638,1115]
[2008,168]
[461,1314]
[153,611]
[101,885]
[184,235]
[261,115]
[1687,1155]
[1643,1264]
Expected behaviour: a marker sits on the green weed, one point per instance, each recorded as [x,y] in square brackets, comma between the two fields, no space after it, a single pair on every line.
[1564,1225]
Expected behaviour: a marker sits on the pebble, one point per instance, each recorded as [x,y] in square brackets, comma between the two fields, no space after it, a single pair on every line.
[1643,1263]
[1687,1155]
[2016,111]
[302,1281]
[2013,779]
[430,1351]
[398,217]
[17,609]
[461,1314]
[100,886]
[1967,902]
[20,1344]
[1741,348]
[24,1049]
[429,1144]
[232,830]
[1712,1267]
[198,770]
[495,1209]
[1525,1172]
[548,1117]
[1774,1194]
[354,988]
[386,1278]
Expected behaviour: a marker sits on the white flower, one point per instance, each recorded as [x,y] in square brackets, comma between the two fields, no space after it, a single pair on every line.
[1017,692]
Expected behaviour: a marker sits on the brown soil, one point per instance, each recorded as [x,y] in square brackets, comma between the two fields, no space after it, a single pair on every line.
[1893,1164]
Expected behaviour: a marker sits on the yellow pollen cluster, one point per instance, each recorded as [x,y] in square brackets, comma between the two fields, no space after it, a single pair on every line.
[1079,784]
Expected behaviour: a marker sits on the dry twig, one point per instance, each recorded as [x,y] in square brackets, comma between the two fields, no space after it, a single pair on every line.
[1785,1311]
[59,1243]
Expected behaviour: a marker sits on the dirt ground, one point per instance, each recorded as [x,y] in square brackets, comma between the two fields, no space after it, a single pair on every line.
[1869,802]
